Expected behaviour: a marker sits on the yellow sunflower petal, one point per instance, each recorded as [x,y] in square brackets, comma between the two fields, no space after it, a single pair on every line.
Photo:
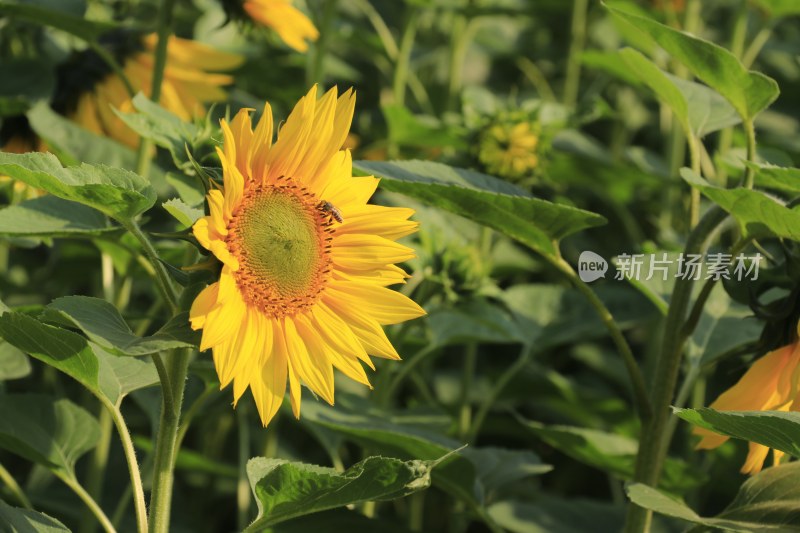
[202,305]
[382,304]
[293,27]
[365,252]
[270,385]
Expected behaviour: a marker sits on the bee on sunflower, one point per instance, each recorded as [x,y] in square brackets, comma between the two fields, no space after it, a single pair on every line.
[300,292]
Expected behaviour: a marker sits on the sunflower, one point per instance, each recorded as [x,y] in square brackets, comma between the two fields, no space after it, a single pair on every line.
[306,262]
[510,149]
[291,25]
[189,83]
[771,384]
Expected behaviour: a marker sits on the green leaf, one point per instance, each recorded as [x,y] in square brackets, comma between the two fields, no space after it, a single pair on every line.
[610,452]
[118,193]
[749,92]
[404,439]
[757,213]
[74,144]
[497,468]
[775,429]
[407,129]
[784,179]
[50,216]
[285,490]
[88,30]
[103,324]
[484,199]
[779,8]
[164,128]
[474,320]
[13,363]
[28,521]
[48,431]
[550,515]
[182,212]
[107,376]
[768,501]
[24,82]
[699,109]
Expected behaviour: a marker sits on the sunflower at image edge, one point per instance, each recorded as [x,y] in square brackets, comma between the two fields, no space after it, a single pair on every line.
[190,82]
[291,25]
[299,291]
[771,384]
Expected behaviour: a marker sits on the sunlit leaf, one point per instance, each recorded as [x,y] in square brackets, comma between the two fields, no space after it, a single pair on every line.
[774,429]
[103,324]
[757,213]
[749,92]
[116,192]
[14,364]
[182,212]
[285,490]
[768,501]
[484,199]
[50,216]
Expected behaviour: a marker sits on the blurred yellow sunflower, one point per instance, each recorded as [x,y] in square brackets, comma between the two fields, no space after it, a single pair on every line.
[291,25]
[190,81]
[306,260]
[771,384]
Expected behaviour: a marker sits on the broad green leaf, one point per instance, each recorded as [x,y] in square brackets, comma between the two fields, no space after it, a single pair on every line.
[497,468]
[48,431]
[182,212]
[484,199]
[107,376]
[27,521]
[610,452]
[285,490]
[14,364]
[475,320]
[24,82]
[118,193]
[699,109]
[784,179]
[774,429]
[779,8]
[768,501]
[338,521]
[164,128]
[407,129]
[88,30]
[74,144]
[550,515]
[103,324]
[612,63]
[749,92]
[757,213]
[50,216]
[387,435]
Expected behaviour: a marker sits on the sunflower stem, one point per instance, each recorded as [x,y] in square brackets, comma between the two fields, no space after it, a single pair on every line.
[134,471]
[165,21]
[13,486]
[162,276]
[652,442]
[166,440]
[78,489]
[97,467]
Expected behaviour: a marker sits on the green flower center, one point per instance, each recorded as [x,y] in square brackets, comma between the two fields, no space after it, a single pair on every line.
[281,240]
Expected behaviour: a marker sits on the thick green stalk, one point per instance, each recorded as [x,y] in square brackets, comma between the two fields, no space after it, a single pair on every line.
[750,173]
[465,411]
[652,444]
[165,449]
[576,46]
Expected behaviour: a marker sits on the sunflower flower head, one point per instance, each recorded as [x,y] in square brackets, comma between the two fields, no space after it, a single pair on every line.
[510,148]
[772,383]
[292,26]
[306,261]
[193,77]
